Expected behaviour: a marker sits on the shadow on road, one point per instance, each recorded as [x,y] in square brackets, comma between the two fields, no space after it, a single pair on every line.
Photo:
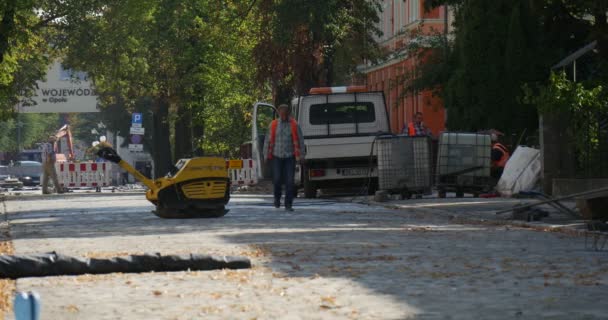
[422,262]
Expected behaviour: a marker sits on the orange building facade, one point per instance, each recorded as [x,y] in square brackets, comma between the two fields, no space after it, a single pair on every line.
[397,20]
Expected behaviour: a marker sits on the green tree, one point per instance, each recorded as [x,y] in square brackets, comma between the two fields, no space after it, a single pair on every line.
[31,31]
[496,48]
[23,54]
[119,47]
[176,61]
[35,128]
[586,106]
[305,43]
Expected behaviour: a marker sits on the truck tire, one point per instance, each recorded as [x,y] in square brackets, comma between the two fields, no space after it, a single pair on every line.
[372,187]
[310,189]
[441,193]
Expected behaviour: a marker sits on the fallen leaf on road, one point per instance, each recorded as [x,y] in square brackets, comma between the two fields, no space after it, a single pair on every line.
[71,308]
[7,287]
[210,309]
[328,300]
[256,251]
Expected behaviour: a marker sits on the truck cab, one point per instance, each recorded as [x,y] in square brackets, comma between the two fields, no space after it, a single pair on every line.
[340,125]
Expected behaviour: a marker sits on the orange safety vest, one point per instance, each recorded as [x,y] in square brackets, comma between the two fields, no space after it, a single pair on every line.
[294,138]
[505,155]
[411,130]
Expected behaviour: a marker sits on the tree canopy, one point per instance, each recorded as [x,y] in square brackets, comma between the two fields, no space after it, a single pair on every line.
[194,68]
[306,43]
[184,64]
[35,128]
[496,48]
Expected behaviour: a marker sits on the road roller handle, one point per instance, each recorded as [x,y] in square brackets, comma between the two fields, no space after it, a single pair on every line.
[112,156]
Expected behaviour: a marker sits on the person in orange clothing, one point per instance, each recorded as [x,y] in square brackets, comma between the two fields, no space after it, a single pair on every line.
[417,128]
[500,155]
[48,166]
[284,146]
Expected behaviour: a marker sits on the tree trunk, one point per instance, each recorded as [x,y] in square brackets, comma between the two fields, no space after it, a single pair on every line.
[328,63]
[198,131]
[162,144]
[183,133]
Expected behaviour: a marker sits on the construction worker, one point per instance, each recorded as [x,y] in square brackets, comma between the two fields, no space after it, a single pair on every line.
[48,166]
[500,155]
[417,128]
[284,145]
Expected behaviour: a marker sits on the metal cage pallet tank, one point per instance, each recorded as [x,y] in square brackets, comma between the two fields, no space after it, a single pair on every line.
[463,163]
[404,164]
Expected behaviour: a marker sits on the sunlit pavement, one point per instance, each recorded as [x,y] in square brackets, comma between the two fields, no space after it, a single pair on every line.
[328,259]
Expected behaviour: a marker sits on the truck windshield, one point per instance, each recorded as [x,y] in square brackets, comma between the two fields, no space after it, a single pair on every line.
[340,113]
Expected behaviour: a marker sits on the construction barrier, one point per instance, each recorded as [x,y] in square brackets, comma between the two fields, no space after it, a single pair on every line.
[83,174]
[245,174]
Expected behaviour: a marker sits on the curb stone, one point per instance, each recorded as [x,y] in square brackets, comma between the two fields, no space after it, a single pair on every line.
[66,195]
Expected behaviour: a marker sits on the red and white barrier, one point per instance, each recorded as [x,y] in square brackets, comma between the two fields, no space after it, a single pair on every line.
[247,175]
[83,174]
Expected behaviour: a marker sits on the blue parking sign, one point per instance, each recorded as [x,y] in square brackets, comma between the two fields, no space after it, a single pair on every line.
[136,118]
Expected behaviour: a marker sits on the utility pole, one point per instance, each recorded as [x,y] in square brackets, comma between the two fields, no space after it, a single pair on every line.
[19,124]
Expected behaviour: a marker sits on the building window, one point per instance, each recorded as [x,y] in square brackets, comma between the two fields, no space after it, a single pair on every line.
[414,10]
[341,113]
[402,22]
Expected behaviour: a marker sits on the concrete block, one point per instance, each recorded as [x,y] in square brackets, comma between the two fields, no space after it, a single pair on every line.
[595,208]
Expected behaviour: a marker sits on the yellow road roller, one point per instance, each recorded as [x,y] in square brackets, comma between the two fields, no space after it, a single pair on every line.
[194,188]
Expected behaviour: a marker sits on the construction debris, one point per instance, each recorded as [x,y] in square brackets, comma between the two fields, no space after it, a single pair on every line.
[521,173]
[589,193]
[593,207]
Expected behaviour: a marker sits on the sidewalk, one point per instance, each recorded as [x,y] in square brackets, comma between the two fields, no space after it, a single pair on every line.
[471,210]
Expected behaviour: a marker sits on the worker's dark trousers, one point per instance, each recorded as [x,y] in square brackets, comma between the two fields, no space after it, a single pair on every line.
[283,170]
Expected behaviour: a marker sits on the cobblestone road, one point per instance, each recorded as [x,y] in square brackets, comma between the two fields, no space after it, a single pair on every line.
[327,260]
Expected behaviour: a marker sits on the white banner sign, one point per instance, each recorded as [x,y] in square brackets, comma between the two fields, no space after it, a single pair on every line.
[63,91]
[136,147]
[136,130]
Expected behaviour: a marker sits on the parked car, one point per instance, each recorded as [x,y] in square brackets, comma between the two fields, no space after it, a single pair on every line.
[7,181]
[28,172]
[4,172]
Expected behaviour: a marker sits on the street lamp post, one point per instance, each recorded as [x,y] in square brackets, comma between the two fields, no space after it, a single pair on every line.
[19,125]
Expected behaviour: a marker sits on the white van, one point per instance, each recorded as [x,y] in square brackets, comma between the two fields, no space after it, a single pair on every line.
[339,125]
